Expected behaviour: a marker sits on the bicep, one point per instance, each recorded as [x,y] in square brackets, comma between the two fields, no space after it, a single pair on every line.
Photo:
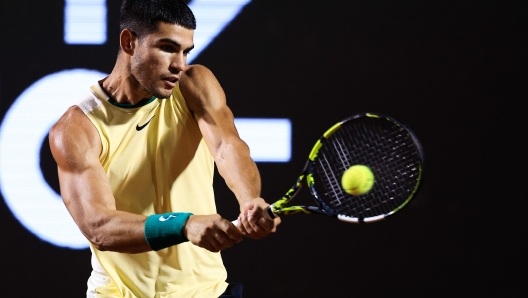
[86,193]
[85,189]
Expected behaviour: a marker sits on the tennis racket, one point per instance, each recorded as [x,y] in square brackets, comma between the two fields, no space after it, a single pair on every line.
[388,147]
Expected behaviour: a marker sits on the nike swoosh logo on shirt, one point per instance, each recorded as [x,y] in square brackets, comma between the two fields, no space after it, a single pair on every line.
[138,128]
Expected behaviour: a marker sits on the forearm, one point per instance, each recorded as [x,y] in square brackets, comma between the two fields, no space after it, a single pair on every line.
[160,231]
[130,233]
[241,175]
[117,231]
[239,171]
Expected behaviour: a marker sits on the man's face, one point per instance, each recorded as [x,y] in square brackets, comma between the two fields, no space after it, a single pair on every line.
[160,58]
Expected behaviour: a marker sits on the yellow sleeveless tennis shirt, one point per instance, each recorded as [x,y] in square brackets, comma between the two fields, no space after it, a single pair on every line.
[156,161]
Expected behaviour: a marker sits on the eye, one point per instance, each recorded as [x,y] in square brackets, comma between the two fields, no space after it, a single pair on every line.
[167,48]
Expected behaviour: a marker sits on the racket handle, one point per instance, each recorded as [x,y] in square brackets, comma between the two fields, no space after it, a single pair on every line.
[268,209]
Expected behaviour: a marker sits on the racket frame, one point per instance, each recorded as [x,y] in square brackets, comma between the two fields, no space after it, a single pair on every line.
[279,208]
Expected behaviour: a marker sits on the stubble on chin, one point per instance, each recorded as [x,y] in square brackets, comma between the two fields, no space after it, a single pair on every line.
[151,89]
[158,94]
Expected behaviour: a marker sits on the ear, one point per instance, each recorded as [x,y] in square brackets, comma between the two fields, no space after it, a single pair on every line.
[128,41]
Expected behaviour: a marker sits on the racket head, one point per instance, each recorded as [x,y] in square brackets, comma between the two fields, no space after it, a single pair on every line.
[387,146]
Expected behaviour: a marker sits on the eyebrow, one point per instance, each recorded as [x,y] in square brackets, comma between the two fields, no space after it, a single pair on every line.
[175,43]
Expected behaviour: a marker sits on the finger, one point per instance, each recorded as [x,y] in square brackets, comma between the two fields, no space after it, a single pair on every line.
[236,223]
[208,242]
[248,229]
[267,225]
[222,241]
[211,243]
[255,215]
[232,232]
[208,246]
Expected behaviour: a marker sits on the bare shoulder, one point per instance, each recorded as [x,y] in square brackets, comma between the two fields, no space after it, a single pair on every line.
[200,88]
[74,138]
[197,75]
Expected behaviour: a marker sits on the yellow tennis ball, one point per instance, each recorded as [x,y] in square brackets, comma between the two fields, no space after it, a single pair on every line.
[357,180]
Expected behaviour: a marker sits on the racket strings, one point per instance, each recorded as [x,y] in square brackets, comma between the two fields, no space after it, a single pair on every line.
[384,146]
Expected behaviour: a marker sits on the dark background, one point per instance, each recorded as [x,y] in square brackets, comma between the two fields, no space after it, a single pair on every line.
[454,71]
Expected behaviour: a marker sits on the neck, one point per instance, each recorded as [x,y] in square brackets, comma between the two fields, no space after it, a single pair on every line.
[122,86]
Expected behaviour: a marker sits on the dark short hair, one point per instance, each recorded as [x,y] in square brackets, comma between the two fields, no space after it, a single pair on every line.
[142,16]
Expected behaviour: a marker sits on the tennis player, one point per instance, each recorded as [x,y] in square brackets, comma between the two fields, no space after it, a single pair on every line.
[136,160]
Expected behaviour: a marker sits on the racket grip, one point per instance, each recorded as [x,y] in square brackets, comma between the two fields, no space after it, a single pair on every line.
[268,209]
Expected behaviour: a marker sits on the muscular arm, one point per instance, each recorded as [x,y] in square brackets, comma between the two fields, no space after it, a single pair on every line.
[206,99]
[75,145]
[85,189]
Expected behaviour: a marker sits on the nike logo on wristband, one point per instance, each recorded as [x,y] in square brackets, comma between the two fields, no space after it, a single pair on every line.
[161,218]
[138,128]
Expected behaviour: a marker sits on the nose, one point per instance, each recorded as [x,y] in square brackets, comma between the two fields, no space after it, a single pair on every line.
[178,62]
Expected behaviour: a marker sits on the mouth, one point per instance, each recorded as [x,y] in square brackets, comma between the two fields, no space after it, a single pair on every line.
[171,81]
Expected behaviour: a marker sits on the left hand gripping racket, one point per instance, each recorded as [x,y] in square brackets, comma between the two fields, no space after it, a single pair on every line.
[385,145]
